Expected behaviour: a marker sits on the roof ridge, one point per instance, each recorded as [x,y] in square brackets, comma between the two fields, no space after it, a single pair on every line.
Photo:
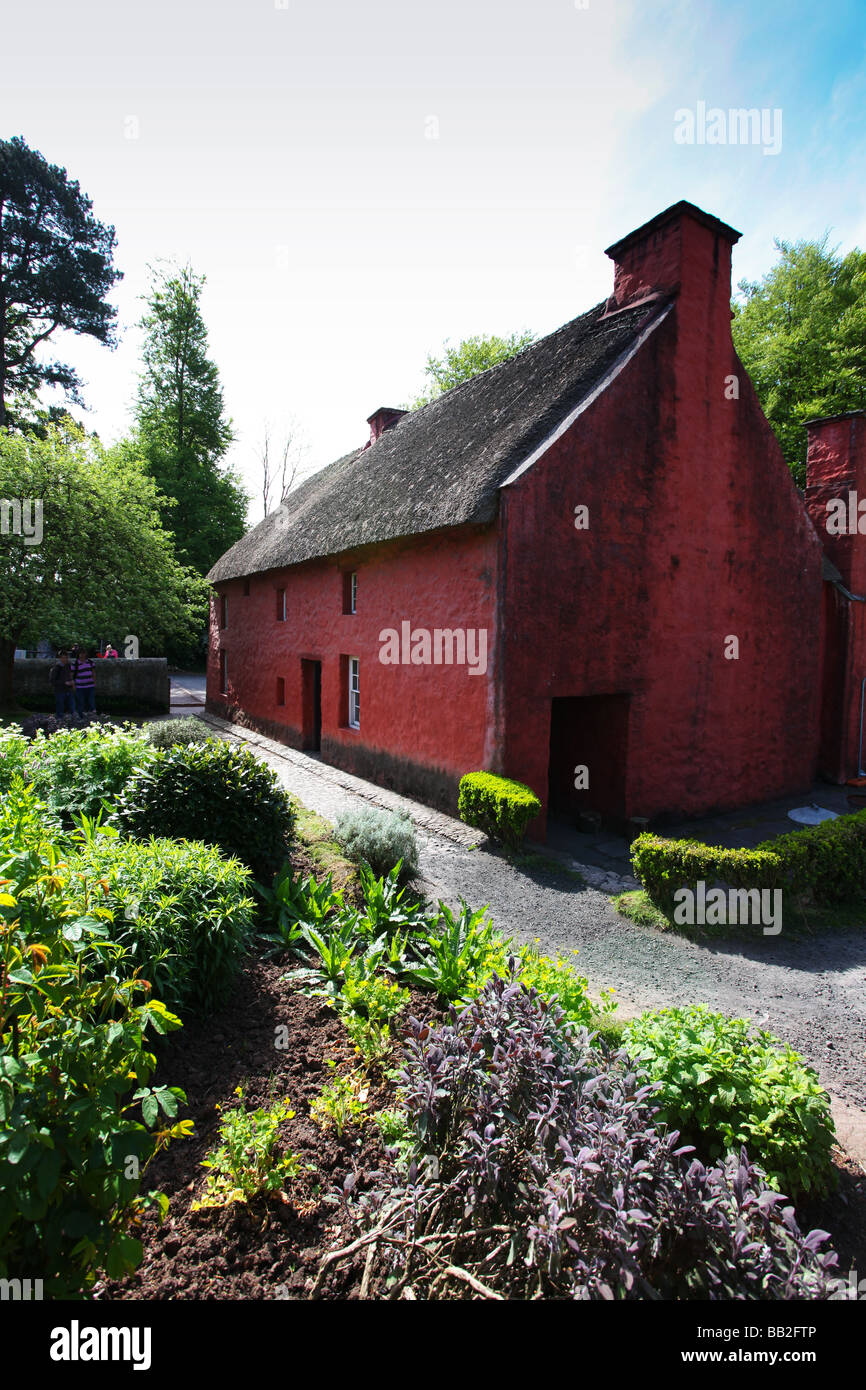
[441,466]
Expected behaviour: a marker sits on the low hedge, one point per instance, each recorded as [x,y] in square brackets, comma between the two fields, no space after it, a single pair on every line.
[827,860]
[498,806]
[663,866]
[826,863]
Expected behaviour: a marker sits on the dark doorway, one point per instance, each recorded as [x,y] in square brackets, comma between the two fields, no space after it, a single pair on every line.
[591,732]
[312,709]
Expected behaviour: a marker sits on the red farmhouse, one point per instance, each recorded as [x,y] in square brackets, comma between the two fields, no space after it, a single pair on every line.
[587,568]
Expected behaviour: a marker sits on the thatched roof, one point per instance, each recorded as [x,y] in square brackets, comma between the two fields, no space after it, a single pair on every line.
[442,465]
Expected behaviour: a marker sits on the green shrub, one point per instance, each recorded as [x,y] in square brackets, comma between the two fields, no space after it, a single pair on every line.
[76,1105]
[663,866]
[380,839]
[825,863]
[184,913]
[74,770]
[498,806]
[726,1084]
[165,733]
[213,792]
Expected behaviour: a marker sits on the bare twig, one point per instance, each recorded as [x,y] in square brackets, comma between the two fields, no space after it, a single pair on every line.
[457,1273]
[368,1269]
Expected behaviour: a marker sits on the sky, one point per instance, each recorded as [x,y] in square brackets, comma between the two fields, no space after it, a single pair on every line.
[360,182]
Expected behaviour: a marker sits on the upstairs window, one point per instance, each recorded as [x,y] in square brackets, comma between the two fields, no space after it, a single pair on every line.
[350,593]
[281,605]
[246,588]
[224,610]
[354,693]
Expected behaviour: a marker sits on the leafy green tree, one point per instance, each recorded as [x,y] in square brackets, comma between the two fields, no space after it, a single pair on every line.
[55,272]
[800,332]
[83,554]
[467,359]
[182,430]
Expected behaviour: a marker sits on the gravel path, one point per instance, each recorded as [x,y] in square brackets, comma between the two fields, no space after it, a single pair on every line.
[812,992]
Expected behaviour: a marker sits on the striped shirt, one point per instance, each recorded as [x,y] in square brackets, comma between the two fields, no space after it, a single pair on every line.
[84,674]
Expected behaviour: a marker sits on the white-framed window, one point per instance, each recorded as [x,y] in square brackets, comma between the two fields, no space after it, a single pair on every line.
[354,693]
[350,591]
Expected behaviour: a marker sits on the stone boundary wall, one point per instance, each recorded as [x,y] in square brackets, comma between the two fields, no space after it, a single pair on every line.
[141,683]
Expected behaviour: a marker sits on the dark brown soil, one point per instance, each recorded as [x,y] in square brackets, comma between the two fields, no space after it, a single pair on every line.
[270,1248]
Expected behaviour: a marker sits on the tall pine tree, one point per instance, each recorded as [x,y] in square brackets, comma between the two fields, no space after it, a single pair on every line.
[56,271]
[182,430]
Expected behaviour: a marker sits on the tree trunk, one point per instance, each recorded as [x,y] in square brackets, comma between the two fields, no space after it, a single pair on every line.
[7,672]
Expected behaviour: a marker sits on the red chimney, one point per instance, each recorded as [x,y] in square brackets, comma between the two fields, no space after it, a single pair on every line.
[835,488]
[682,251]
[382,420]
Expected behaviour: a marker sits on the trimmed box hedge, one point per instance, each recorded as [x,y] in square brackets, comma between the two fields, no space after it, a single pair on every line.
[825,863]
[498,806]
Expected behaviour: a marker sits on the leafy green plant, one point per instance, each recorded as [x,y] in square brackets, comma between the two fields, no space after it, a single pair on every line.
[369,993]
[213,792]
[334,950]
[247,1162]
[183,911]
[165,733]
[341,1102]
[380,839]
[295,902]
[371,1039]
[725,1084]
[397,1134]
[79,1120]
[498,806]
[458,953]
[75,770]
[387,907]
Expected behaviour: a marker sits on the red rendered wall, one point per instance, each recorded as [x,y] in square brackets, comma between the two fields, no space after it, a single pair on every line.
[422,726]
[836,467]
[696,533]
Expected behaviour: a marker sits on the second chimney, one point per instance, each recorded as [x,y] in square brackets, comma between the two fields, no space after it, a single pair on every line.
[382,420]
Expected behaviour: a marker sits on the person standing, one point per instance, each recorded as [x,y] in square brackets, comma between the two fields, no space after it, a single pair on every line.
[85,685]
[63,681]
[109,652]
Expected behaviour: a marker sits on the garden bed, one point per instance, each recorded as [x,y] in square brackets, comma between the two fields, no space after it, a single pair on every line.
[269,1248]
[272,1249]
